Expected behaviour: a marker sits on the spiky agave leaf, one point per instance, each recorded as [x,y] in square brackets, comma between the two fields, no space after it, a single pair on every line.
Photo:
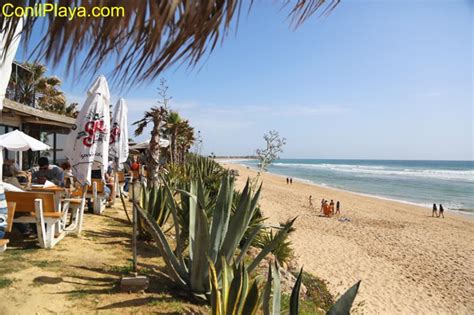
[235,290]
[344,303]
[295,295]
[200,248]
[243,251]
[232,293]
[267,291]
[251,303]
[221,215]
[276,308]
[239,222]
[176,269]
[216,297]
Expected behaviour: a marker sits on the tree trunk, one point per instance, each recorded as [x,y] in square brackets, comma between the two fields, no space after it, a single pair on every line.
[173,145]
[153,162]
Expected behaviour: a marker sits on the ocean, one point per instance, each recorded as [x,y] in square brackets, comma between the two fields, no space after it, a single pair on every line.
[450,183]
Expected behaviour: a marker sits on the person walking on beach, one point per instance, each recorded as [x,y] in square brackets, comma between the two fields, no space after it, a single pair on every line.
[310,201]
[287,180]
[441,211]
[338,205]
[435,211]
[326,209]
[291,181]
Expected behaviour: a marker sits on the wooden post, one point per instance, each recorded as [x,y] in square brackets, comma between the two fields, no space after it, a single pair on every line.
[134,233]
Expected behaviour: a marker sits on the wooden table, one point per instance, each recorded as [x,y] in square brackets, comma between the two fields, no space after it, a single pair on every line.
[57,190]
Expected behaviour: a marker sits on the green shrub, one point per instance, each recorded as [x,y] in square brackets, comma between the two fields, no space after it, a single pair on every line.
[283,251]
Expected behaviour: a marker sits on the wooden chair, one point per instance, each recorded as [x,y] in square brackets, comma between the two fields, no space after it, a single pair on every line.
[135,174]
[39,208]
[75,202]
[11,212]
[119,182]
[97,193]
[11,215]
[120,177]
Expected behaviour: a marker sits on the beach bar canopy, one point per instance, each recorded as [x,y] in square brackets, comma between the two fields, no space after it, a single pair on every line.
[145,144]
[19,141]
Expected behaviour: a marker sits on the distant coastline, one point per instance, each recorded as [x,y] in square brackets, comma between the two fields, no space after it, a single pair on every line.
[236,157]
[434,183]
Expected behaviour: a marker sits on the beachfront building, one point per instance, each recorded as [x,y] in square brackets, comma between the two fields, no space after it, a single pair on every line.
[21,113]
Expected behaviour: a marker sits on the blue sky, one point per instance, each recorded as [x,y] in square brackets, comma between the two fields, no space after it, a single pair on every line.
[375,79]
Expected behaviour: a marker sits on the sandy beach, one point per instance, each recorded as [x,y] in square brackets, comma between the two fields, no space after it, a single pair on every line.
[409,262]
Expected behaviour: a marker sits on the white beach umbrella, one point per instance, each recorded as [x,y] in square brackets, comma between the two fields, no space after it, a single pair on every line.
[6,58]
[19,141]
[119,133]
[14,141]
[88,143]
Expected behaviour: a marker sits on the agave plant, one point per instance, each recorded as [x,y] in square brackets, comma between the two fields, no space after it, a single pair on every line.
[154,201]
[209,238]
[209,170]
[235,293]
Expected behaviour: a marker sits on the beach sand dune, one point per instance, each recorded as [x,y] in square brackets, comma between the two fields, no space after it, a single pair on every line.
[409,262]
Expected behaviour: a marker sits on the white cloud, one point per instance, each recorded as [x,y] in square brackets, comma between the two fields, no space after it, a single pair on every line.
[226,128]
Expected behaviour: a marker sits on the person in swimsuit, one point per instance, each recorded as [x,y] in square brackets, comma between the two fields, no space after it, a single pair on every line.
[441,211]
[338,205]
[310,201]
[435,211]
[326,209]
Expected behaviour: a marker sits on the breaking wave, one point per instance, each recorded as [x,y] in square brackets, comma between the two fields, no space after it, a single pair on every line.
[385,171]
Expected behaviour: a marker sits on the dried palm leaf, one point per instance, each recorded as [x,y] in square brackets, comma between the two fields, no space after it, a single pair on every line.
[150,37]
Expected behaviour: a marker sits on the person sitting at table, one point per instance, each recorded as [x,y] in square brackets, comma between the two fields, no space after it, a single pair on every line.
[49,172]
[127,172]
[9,175]
[110,182]
[68,176]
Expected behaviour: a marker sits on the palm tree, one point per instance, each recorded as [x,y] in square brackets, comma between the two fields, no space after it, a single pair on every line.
[172,126]
[147,37]
[44,91]
[157,116]
[185,139]
[71,110]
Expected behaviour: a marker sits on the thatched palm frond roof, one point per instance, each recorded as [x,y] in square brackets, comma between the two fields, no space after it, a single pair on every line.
[151,36]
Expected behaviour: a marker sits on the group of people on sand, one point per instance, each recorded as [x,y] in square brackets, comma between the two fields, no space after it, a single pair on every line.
[327,208]
[435,211]
[289,180]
